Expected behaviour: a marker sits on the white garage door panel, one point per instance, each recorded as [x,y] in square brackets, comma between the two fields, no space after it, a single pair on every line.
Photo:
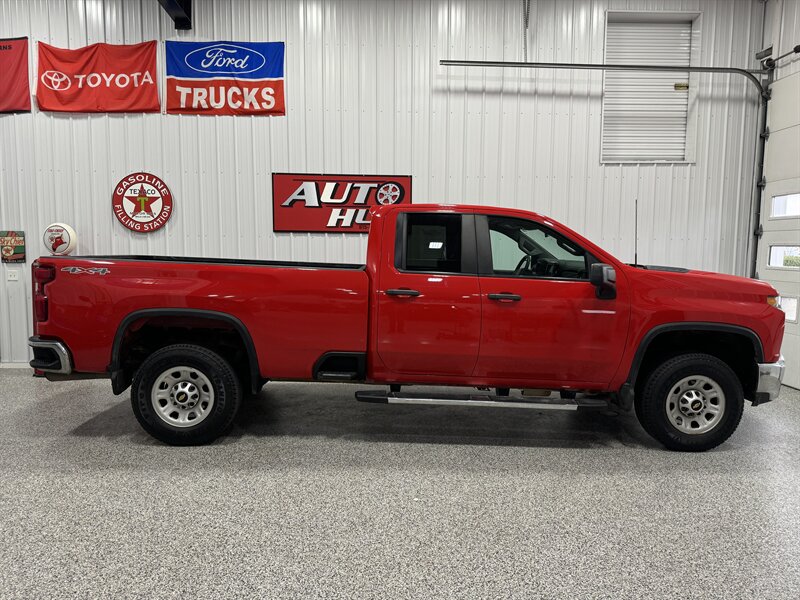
[783,154]
[784,110]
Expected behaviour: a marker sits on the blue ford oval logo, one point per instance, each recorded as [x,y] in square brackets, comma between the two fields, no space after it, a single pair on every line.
[225,59]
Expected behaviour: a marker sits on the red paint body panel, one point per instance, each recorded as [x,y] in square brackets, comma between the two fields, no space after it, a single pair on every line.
[560,335]
[291,313]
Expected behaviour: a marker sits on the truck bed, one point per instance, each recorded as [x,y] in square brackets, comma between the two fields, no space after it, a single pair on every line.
[294,311]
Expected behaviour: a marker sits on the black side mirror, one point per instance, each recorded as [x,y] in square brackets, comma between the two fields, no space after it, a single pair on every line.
[604,278]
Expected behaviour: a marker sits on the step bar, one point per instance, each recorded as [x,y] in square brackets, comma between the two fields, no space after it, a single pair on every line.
[483,400]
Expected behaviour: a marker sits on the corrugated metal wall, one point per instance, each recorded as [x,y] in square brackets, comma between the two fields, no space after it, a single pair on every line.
[365,94]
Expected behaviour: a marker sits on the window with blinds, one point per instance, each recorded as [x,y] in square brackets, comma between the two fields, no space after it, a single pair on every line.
[645,114]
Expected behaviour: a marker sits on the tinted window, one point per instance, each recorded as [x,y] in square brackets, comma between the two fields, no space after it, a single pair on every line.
[433,243]
[523,248]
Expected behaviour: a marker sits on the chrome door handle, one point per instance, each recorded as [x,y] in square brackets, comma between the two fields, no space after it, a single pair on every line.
[505,297]
[403,292]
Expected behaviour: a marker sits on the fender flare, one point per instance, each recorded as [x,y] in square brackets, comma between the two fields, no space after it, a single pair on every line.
[652,334]
[114,368]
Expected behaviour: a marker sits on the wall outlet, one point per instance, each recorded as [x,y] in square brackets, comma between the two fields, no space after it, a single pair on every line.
[13,275]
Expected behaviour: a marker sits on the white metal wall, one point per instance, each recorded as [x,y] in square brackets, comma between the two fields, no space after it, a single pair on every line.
[365,94]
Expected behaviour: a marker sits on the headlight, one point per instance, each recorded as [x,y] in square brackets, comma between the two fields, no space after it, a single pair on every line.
[774,301]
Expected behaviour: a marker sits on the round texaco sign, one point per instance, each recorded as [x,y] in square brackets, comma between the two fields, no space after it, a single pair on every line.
[142,202]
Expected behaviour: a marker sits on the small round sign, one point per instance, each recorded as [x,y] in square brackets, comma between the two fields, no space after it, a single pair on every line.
[142,202]
[59,239]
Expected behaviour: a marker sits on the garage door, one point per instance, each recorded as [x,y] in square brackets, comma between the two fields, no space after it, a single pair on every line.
[779,247]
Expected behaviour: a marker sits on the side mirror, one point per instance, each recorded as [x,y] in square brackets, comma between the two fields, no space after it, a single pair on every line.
[604,278]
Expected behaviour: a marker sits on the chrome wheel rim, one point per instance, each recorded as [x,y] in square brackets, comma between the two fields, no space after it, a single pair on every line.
[182,396]
[695,404]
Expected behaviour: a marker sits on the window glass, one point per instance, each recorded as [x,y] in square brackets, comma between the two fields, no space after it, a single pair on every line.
[523,248]
[784,256]
[786,206]
[789,306]
[433,243]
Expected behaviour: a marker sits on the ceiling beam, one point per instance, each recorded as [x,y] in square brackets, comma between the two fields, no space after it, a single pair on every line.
[180,11]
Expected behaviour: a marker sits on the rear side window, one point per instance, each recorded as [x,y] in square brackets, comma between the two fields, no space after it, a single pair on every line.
[432,243]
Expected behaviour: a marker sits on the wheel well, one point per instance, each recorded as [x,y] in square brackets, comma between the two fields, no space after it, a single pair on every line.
[735,349]
[140,337]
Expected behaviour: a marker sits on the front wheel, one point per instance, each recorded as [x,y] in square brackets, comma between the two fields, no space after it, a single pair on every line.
[185,395]
[692,402]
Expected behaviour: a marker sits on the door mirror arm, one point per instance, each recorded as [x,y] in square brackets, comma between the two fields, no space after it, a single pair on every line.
[604,278]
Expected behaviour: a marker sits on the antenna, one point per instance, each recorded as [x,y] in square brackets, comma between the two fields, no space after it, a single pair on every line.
[636,231]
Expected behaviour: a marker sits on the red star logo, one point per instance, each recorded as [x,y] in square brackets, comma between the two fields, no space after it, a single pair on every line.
[142,201]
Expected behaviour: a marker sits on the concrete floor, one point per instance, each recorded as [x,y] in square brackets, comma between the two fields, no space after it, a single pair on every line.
[316,495]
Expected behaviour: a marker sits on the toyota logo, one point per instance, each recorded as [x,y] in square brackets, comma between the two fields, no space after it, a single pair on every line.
[56,80]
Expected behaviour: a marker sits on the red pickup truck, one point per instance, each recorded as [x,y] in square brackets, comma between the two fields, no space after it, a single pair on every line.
[469,296]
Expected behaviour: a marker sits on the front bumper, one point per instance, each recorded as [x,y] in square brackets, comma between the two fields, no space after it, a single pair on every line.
[770,376]
[50,356]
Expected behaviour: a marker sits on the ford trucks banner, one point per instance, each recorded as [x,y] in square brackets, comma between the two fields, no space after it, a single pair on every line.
[333,203]
[98,78]
[225,78]
[15,92]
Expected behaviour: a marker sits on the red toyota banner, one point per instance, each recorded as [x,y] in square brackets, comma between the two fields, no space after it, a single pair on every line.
[15,91]
[333,203]
[98,78]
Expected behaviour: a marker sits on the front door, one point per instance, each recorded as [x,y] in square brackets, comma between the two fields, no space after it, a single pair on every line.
[542,321]
[428,297]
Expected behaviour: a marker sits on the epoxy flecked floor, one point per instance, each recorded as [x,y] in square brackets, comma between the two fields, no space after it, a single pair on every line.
[314,495]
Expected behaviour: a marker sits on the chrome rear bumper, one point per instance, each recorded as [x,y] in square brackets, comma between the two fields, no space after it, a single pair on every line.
[770,376]
[50,356]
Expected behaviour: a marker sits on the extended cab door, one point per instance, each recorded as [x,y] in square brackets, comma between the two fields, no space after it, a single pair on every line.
[542,321]
[428,297]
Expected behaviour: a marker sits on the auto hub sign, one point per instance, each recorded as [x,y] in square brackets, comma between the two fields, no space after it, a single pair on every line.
[98,78]
[333,203]
[225,78]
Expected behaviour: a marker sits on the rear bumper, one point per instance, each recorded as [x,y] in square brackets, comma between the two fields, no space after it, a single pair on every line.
[50,356]
[770,376]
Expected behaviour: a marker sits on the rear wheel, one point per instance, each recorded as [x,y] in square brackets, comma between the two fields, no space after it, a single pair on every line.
[692,402]
[185,394]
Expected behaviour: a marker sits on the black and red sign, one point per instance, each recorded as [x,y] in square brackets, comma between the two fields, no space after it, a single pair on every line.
[333,203]
[142,202]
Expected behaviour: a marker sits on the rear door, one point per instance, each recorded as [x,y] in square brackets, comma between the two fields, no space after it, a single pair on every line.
[542,321]
[428,297]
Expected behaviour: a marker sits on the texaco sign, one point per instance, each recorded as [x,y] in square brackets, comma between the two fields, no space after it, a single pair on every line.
[142,202]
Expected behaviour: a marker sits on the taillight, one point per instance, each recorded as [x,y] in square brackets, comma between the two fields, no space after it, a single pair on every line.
[42,275]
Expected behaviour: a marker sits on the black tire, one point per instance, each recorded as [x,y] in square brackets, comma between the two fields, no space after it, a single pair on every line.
[216,370]
[652,404]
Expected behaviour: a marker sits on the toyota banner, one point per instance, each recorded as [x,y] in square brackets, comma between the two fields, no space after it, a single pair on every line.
[333,203]
[98,78]
[225,78]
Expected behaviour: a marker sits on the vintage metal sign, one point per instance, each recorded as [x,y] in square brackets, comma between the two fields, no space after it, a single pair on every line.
[12,246]
[142,202]
[333,203]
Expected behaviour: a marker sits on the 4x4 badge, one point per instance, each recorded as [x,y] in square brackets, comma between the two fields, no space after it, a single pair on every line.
[88,271]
